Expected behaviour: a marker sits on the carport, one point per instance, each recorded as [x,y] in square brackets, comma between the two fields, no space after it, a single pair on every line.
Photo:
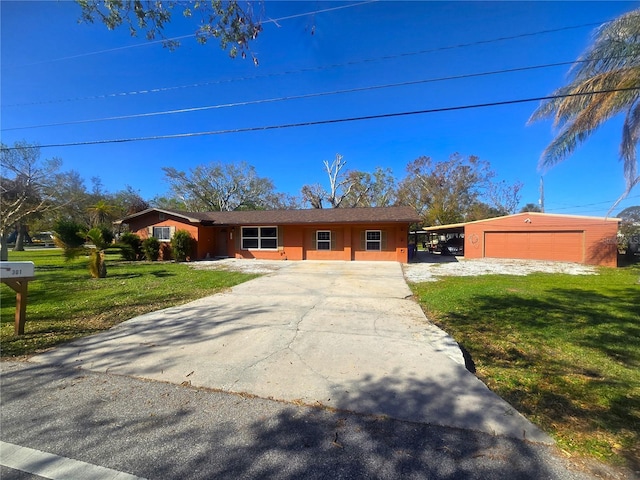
[433,238]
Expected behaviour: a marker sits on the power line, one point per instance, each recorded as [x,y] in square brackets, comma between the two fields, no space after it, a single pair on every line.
[593,204]
[190,35]
[302,70]
[289,97]
[324,122]
[295,97]
[325,10]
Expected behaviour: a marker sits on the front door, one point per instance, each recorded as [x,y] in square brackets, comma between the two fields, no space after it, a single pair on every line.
[221,243]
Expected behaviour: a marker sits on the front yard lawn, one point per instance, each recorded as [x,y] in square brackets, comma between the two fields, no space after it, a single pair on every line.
[66,303]
[564,350]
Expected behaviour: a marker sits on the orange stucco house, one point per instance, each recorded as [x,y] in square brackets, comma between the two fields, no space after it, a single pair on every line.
[379,233]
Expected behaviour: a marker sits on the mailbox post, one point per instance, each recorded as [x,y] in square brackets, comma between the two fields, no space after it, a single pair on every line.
[17,275]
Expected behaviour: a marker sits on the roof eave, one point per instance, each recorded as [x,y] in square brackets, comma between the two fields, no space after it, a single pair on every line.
[166,212]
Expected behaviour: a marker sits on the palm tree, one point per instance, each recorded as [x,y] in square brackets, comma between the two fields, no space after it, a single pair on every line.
[604,82]
[101,213]
[97,267]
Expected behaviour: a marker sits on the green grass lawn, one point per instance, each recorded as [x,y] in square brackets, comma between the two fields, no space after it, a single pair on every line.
[563,350]
[66,303]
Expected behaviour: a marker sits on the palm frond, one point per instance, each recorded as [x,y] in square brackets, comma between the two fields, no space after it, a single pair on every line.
[615,46]
[563,145]
[604,82]
[630,138]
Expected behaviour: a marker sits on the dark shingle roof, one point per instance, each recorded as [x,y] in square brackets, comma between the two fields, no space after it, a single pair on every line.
[284,217]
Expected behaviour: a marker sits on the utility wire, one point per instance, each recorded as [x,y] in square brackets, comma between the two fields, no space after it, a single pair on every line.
[324,122]
[291,97]
[325,10]
[297,97]
[189,35]
[308,69]
[591,204]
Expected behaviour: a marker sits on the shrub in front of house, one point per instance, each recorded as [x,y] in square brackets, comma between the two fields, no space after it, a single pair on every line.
[181,245]
[130,246]
[107,234]
[151,248]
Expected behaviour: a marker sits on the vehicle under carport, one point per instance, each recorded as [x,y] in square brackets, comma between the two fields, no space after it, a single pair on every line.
[442,239]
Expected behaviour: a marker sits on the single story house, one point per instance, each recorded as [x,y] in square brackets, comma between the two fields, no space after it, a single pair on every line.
[379,233]
[539,236]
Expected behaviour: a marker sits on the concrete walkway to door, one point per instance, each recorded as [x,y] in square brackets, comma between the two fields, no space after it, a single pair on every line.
[345,335]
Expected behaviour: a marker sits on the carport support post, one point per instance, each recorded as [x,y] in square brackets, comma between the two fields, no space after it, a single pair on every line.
[20,287]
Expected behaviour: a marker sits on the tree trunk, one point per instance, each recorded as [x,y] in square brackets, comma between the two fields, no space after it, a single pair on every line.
[22,233]
[102,271]
[97,267]
[4,249]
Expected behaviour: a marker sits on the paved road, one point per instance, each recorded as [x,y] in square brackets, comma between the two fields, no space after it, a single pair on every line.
[345,335]
[157,430]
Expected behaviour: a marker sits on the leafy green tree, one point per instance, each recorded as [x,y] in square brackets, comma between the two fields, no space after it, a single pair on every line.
[377,189]
[221,187]
[73,191]
[313,194]
[168,203]
[282,201]
[68,234]
[27,188]
[630,231]
[233,23]
[449,189]
[504,197]
[340,185]
[128,202]
[481,210]
[530,207]
[351,188]
[604,82]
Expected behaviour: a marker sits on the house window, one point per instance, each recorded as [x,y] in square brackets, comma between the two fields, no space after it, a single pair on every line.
[323,240]
[374,240]
[162,233]
[259,238]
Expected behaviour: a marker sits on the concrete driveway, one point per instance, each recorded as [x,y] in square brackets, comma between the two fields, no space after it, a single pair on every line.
[344,335]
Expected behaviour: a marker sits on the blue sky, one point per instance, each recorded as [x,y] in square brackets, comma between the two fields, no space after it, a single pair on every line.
[57,71]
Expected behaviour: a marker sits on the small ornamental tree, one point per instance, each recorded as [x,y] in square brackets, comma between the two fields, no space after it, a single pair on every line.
[181,245]
[151,248]
[97,267]
[71,237]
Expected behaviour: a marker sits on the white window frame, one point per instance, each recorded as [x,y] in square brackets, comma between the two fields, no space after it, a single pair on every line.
[260,238]
[161,236]
[323,241]
[373,241]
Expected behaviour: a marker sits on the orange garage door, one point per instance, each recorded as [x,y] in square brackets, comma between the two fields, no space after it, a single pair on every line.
[561,246]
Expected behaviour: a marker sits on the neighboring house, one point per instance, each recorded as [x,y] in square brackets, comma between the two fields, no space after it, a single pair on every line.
[317,234]
[540,236]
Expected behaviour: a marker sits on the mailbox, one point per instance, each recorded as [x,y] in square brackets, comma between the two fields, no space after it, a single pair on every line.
[16,270]
[17,276]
